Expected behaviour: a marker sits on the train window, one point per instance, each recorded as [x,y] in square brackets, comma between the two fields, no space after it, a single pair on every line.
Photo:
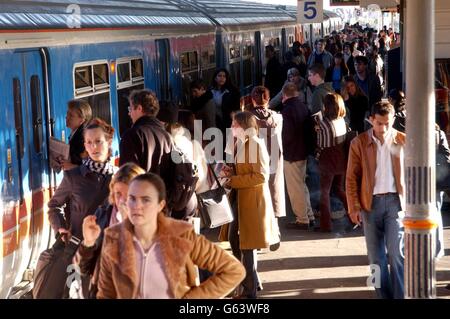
[130,76]
[235,53]
[189,61]
[235,73]
[35,94]
[92,84]
[18,117]
[208,64]
[123,72]
[291,40]
[83,79]
[101,76]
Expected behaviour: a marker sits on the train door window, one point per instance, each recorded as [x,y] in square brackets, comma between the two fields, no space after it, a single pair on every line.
[36,109]
[91,80]
[18,118]
[163,64]
[130,76]
[208,64]
[235,65]
[248,65]
[189,73]
[291,40]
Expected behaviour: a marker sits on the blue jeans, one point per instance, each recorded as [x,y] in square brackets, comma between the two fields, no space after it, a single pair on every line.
[384,231]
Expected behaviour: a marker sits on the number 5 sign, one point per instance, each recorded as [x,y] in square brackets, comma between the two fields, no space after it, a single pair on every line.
[309,11]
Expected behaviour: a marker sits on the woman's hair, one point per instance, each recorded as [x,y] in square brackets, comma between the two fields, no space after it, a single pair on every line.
[124,175]
[82,108]
[99,123]
[260,95]
[147,99]
[350,79]
[157,182]
[228,83]
[246,120]
[334,106]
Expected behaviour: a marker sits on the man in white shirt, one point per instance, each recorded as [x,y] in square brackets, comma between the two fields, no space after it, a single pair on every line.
[375,195]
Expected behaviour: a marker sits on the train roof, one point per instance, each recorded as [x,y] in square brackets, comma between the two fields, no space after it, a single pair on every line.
[55,14]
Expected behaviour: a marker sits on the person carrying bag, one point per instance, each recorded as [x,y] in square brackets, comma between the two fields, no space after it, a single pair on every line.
[214,207]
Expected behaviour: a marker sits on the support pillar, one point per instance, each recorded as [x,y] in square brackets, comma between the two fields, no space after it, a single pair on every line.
[420,228]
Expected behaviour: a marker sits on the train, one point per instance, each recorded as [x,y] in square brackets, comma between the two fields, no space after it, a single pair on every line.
[55,51]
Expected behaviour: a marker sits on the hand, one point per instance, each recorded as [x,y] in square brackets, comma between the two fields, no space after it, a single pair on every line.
[356,218]
[91,231]
[65,234]
[226,171]
[67,165]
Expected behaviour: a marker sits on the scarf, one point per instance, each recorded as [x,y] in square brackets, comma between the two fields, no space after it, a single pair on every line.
[104,169]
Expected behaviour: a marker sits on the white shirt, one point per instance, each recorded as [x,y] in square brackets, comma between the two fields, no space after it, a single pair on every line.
[384,173]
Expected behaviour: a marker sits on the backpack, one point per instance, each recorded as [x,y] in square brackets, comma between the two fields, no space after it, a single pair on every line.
[183,178]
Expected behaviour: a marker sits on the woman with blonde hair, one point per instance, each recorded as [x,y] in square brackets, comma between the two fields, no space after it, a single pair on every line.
[255,227]
[79,113]
[331,134]
[149,255]
[88,254]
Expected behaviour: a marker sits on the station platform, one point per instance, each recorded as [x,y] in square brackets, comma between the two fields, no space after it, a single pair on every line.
[312,265]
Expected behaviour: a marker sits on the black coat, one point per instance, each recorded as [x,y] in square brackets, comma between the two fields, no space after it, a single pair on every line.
[375,90]
[76,144]
[84,191]
[295,114]
[358,107]
[147,144]
[274,78]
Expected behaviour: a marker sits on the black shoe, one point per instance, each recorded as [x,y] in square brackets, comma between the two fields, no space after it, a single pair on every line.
[312,224]
[274,247]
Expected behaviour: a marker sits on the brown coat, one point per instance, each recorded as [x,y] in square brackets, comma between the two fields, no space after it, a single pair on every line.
[362,161]
[181,249]
[257,224]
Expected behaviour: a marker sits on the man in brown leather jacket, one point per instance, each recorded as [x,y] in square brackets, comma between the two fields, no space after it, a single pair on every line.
[375,195]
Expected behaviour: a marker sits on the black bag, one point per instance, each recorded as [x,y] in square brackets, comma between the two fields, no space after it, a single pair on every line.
[214,207]
[182,181]
[51,274]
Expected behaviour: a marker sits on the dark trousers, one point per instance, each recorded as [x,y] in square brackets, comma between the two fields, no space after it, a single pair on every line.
[246,256]
[330,181]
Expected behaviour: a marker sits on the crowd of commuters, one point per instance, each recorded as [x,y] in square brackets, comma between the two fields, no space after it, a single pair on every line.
[135,244]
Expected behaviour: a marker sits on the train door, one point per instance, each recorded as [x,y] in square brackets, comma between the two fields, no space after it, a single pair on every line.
[28,164]
[163,68]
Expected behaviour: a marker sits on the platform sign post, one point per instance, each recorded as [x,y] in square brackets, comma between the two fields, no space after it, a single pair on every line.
[309,11]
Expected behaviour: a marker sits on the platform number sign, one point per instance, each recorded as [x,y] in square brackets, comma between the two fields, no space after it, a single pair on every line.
[309,11]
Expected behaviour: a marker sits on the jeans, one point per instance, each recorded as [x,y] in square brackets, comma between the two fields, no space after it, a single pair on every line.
[327,182]
[384,231]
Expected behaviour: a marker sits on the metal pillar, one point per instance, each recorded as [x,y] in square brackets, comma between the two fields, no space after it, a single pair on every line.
[420,241]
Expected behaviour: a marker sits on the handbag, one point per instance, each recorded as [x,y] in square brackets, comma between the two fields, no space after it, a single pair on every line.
[214,207]
[50,277]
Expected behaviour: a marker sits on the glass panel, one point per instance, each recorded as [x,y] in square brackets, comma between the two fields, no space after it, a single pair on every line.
[184,58]
[248,73]
[17,95]
[101,75]
[36,109]
[137,68]
[193,59]
[100,105]
[123,72]
[235,73]
[83,77]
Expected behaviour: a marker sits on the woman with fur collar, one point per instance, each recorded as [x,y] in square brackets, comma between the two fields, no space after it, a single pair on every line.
[150,255]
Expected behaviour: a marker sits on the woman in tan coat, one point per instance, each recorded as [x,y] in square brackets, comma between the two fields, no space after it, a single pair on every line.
[255,222]
[149,255]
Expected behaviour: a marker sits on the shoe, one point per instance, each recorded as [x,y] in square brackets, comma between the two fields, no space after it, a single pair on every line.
[297,225]
[312,224]
[274,247]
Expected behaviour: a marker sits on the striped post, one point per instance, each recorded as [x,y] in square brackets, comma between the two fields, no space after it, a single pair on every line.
[420,241]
